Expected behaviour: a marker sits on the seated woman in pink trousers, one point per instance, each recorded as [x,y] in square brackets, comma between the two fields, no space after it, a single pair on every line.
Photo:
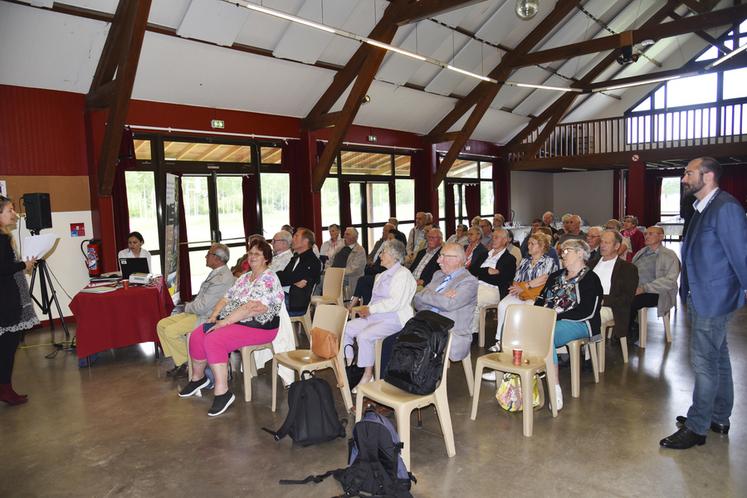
[247,315]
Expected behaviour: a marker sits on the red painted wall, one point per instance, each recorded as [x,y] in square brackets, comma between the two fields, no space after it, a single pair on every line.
[41,132]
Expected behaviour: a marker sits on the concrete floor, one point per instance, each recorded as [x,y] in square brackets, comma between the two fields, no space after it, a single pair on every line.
[119,429]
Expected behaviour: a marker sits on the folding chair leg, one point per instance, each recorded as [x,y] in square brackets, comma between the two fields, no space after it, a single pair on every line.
[624,346]
[594,359]
[403,429]
[344,387]
[274,383]
[528,415]
[574,350]
[467,363]
[642,327]
[667,327]
[602,350]
[444,418]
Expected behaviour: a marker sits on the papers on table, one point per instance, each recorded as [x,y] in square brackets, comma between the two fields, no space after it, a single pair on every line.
[37,246]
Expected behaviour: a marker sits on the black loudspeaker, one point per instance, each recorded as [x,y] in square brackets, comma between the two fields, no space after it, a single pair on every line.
[38,211]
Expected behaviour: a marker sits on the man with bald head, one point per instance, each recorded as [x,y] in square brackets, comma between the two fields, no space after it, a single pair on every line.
[571,229]
[658,269]
[452,292]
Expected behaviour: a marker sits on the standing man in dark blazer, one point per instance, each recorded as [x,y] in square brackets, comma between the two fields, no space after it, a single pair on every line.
[619,281]
[713,284]
[301,274]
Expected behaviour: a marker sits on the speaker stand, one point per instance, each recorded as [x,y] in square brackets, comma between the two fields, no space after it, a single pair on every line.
[47,298]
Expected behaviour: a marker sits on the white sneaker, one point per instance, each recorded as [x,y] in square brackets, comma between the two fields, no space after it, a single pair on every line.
[490,376]
[495,348]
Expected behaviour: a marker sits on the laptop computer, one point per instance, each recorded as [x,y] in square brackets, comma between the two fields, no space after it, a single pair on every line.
[133,265]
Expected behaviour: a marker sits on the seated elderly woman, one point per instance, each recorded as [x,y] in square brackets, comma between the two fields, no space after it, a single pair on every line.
[388,310]
[247,315]
[460,237]
[575,293]
[531,276]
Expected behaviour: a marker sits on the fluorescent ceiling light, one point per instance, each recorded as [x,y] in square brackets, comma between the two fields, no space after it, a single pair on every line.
[392,48]
[544,87]
[289,17]
[387,46]
[727,56]
[640,83]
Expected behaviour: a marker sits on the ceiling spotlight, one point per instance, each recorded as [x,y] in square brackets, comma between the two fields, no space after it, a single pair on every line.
[526,9]
[366,99]
[627,56]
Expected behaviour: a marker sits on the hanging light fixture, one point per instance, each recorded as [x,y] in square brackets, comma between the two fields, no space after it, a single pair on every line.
[527,9]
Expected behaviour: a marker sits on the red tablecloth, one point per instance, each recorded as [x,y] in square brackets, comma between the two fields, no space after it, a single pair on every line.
[120,318]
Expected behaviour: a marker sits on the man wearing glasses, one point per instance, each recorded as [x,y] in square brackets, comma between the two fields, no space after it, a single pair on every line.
[171,330]
[426,261]
[281,250]
[452,292]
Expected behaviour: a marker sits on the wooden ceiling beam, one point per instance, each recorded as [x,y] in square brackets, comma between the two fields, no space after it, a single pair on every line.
[723,49]
[677,27]
[560,104]
[112,83]
[484,94]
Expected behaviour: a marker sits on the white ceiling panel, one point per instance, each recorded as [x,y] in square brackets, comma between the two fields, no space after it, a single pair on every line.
[168,13]
[265,31]
[304,44]
[470,58]
[48,50]
[498,126]
[211,77]
[213,21]
[424,40]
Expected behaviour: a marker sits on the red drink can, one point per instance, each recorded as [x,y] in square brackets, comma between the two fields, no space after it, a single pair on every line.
[517,356]
[125,284]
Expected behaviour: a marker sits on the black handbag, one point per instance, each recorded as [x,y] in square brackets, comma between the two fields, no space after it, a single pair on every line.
[353,371]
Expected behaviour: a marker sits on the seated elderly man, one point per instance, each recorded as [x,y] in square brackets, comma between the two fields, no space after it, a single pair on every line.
[571,229]
[495,275]
[475,253]
[331,246]
[487,233]
[460,236]
[425,263]
[658,269]
[387,312]
[352,257]
[281,250]
[593,238]
[452,293]
[548,220]
[171,330]
[301,274]
[619,280]
[498,220]
[416,235]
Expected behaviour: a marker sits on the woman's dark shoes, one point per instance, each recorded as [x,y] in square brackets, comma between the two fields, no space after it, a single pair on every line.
[717,428]
[8,395]
[177,372]
[683,439]
[193,387]
[221,402]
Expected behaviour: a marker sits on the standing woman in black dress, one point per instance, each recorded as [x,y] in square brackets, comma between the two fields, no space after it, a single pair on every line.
[16,309]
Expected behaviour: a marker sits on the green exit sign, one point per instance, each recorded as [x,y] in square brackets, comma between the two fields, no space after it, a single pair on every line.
[217,123]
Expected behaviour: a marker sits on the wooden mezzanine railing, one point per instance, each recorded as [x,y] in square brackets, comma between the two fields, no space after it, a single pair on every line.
[709,129]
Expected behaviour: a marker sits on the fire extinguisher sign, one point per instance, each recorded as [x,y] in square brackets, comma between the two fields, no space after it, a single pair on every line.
[77,230]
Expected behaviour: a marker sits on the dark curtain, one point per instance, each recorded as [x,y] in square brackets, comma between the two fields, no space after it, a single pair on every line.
[185,277]
[249,209]
[652,209]
[472,200]
[292,156]
[346,216]
[734,181]
[449,211]
[119,189]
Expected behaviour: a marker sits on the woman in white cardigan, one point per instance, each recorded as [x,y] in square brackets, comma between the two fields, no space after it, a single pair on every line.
[388,310]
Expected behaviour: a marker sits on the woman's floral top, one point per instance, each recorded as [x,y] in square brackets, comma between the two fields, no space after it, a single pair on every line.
[265,289]
[526,272]
[563,295]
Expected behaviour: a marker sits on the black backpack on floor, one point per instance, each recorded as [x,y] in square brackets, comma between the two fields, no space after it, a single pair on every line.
[375,467]
[312,417]
[417,358]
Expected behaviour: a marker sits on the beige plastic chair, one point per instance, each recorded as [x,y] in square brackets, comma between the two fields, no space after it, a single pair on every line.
[466,363]
[531,329]
[331,317]
[481,329]
[249,366]
[404,403]
[601,343]
[305,321]
[332,290]
[574,348]
[643,327]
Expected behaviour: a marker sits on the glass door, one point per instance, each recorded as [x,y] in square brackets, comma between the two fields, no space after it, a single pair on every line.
[200,232]
[370,209]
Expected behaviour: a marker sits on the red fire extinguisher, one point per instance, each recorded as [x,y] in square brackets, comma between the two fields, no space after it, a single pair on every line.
[92,255]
